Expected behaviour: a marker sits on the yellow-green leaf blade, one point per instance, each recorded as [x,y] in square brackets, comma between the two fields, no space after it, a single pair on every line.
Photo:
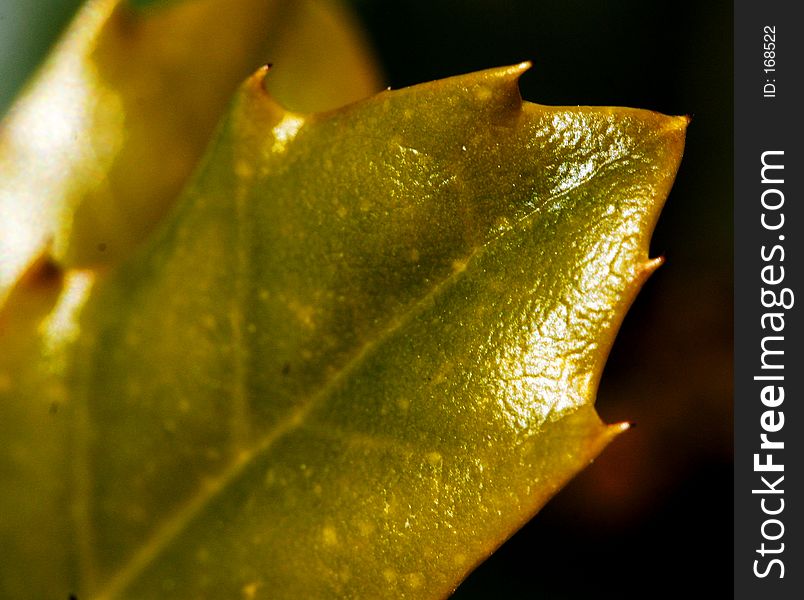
[365,347]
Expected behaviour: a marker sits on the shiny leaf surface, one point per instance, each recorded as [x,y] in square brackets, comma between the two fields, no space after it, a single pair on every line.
[103,140]
[361,352]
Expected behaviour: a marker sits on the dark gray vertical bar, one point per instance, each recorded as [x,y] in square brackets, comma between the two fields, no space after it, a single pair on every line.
[768,269]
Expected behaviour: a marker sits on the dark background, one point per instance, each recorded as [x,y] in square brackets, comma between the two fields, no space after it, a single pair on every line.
[652,518]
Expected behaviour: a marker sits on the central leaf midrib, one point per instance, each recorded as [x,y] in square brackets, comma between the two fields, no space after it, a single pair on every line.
[171,528]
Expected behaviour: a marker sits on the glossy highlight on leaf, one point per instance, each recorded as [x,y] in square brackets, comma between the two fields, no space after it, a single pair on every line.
[360,353]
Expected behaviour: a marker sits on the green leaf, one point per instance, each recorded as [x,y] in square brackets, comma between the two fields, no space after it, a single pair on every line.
[362,351]
[102,141]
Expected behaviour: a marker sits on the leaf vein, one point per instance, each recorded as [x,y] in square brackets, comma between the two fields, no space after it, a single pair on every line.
[173,526]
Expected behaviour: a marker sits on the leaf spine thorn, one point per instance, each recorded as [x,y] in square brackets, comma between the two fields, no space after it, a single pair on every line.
[618,428]
[649,266]
[256,81]
[512,73]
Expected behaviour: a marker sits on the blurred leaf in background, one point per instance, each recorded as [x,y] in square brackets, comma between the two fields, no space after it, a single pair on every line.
[106,134]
